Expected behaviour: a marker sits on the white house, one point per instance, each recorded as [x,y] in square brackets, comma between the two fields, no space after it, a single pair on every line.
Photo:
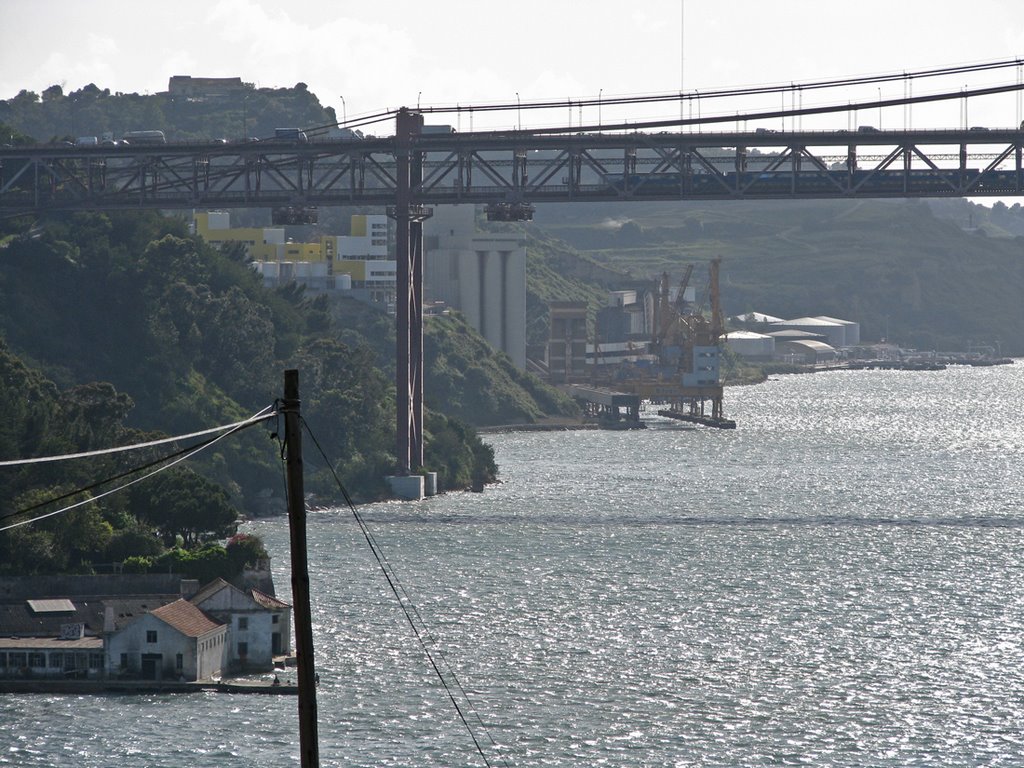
[176,641]
[259,624]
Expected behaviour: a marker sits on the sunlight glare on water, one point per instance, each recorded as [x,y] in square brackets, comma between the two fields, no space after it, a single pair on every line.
[836,582]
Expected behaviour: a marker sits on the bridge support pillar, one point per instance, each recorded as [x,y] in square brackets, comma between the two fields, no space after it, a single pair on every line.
[409,219]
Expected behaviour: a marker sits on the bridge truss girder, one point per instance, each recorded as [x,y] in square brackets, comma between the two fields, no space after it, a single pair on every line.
[517,168]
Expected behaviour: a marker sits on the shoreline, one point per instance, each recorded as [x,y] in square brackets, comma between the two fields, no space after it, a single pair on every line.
[140,687]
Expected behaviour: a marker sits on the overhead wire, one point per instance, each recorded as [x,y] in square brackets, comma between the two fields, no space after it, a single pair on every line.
[412,614]
[133,447]
[161,464]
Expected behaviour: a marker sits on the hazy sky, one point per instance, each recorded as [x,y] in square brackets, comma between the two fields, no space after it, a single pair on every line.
[390,53]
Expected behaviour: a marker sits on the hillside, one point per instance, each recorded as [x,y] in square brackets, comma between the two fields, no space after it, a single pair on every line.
[92,111]
[896,267]
[191,338]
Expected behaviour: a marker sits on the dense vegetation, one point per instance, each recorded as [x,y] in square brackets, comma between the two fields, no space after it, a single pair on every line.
[91,111]
[178,516]
[126,326]
[195,339]
[181,337]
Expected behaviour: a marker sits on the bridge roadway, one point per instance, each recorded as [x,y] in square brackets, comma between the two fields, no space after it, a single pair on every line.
[509,172]
[515,168]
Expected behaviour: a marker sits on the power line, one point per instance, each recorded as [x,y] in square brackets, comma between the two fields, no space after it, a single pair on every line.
[136,446]
[172,460]
[412,614]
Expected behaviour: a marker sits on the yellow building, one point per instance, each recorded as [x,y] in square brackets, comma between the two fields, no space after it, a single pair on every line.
[261,242]
[300,252]
[355,263]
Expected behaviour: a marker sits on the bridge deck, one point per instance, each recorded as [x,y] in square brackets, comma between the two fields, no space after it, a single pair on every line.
[495,168]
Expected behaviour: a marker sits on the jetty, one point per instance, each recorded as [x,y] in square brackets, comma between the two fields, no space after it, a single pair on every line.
[695,418]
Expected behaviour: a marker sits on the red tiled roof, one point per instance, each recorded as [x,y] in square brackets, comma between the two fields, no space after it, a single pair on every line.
[186,618]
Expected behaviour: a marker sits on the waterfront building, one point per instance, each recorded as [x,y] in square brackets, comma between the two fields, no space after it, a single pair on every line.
[628,315]
[750,345]
[176,641]
[852,335]
[567,342]
[46,638]
[753,319]
[834,332]
[805,351]
[151,626]
[260,626]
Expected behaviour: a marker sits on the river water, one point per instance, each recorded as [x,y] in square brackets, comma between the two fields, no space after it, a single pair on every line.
[836,582]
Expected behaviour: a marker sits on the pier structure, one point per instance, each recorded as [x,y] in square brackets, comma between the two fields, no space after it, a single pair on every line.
[607,406]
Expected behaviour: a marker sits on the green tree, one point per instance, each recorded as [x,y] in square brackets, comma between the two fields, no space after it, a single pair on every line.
[245,549]
[26,551]
[94,414]
[180,502]
[134,540]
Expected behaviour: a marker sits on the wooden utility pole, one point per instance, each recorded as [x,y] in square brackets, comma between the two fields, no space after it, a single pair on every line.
[308,746]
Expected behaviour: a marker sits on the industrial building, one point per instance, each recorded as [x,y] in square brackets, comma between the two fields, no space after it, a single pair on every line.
[834,332]
[672,357]
[753,320]
[809,340]
[567,342]
[483,276]
[750,345]
[805,352]
[852,334]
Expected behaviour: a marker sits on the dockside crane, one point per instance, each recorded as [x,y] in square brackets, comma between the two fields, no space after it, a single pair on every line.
[670,312]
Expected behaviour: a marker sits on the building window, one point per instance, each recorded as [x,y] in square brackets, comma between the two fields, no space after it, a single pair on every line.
[243,650]
[179,662]
[37,660]
[124,661]
[56,660]
[243,622]
[3,660]
[275,619]
[16,660]
[150,635]
[95,661]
